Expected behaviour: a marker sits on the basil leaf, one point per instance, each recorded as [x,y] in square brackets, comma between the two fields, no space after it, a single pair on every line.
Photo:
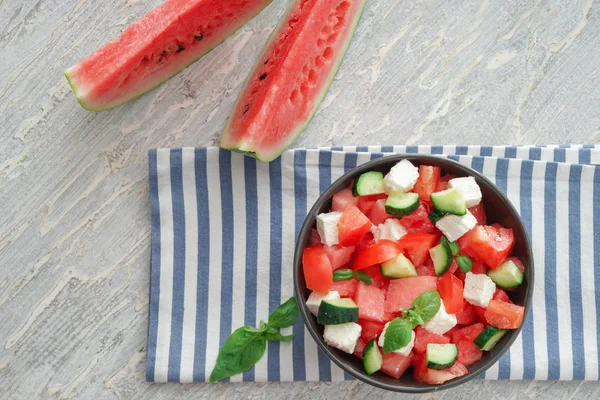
[342,275]
[285,314]
[452,246]
[274,335]
[415,318]
[240,352]
[252,329]
[363,277]
[397,335]
[427,304]
[464,263]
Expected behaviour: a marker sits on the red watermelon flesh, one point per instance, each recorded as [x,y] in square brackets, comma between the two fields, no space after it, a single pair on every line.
[292,76]
[156,47]
[402,292]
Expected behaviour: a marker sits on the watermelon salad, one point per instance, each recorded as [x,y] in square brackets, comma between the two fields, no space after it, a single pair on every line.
[405,272]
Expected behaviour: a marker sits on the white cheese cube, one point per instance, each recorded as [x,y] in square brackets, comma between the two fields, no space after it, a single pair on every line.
[315,299]
[404,351]
[479,289]
[391,229]
[401,178]
[454,226]
[441,322]
[469,189]
[327,226]
[342,336]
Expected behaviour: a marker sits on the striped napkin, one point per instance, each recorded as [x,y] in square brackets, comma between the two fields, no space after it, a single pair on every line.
[223,232]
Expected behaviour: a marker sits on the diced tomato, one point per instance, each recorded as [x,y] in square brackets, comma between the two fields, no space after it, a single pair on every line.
[518,263]
[468,352]
[453,267]
[423,337]
[366,241]
[376,253]
[416,246]
[500,294]
[478,267]
[379,280]
[418,221]
[370,301]
[345,288]
[451,292]
[443,183]
[370,329]
[435,377]
[478,212]
[366,203]
[426,269]
[480,312]
[468,315]
[402,292]
[429,177]
[395,364]
[315,239]
[342,199]
[359,348]
[504,315]
[377,215]
[489,243]
[352,226]
[467,333]
[317,270]
[338,255]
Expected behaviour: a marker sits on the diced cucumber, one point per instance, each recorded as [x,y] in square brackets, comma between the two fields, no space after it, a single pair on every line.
[454,247]
[488,338]
[368,183]
[338,311]
[507,275]
[464,263]
[398,267]
[441,356]
[441,255]
[372,358]
[449,201]
[401,204]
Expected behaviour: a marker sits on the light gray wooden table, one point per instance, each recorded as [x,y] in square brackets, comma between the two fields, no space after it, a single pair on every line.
[74,214]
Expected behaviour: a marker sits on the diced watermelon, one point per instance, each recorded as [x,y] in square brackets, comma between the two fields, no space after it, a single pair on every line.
[453,267]
[426,269]
[478,212]
[315,239]
[427,183]
[345,288]
[460,275]
[467,333]
[418,221]
[402,292]
[480,312]
[455,328]
[500,294]
[423,337]
[366,203]
[359,348]
[489,243]
[352,226]
[338,255]
[395,364]
[377,215]
[468,315]
[504,315]
[416,246]
[379,280]
[443,182]
[435,377]
[342,199]
[518,263]
[478,267]
[370,301]
[370,329]
[468,352]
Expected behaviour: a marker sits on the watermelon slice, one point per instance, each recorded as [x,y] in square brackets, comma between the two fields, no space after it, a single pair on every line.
[291,76]
[156,47]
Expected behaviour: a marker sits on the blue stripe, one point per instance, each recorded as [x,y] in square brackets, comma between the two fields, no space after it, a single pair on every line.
[526,207]
[454,158]
[250,181]
[535,153]
[560,155]
[275,257]
[437,150]
[584,156]
[203,265]
[362,149]
[550,271]
[350,160]
[575,272]
[510,152]
[300,215]
[485,151]
[154,267]
[462,150]
[387,149]
[337,148]
[596,224]
[227,225]
[178,265]
[412,149]
[477,163]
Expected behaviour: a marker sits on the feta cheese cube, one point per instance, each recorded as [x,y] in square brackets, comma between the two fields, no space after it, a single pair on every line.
[454,226]
[441,322]
[401,178]
[479,289]
[327,226]
[404,351]
[315,299]
[342,336]
[391,229]
[469,189]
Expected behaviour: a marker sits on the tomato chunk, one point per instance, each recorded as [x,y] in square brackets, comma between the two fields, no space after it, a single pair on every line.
[376,253]
[377,214]
[478,267]
[317,270]
[478,212]
[352,226]
[468,352]
[451,292]
[342,200]
[423,337]
[395,364]
[370,329]
[416,246]
[338,255]
[370,301]
[418,221]
[490,244]
[480,312]
[504,315]
[443,182]
[366,203]
[345,288]
[500,294]
[429,177]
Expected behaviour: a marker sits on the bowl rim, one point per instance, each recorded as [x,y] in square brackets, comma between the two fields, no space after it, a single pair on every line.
[309,222]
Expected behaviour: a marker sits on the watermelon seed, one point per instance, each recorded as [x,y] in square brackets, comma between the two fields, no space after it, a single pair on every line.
[263,76]
[246,108]
[266,61]
[180,48]
[199,37]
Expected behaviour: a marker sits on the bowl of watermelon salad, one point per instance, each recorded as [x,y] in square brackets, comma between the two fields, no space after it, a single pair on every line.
[413,273]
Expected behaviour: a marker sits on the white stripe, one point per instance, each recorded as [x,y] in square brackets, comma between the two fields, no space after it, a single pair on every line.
[216,257]
[498,151]
[572,156]
[474,150]
[188,336]
[523,153]
[449,149]
[587,273]
[337,374]
[163,337]
[363,158]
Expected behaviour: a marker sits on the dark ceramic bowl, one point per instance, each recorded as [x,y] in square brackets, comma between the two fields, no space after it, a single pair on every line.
[498,208]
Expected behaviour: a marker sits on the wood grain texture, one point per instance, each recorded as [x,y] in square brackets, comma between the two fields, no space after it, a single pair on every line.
[75,223]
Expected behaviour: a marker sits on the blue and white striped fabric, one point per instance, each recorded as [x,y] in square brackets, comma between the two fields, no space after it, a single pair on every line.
[223,232]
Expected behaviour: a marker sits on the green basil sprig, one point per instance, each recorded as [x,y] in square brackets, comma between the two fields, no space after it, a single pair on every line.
[424,307]
[246,345]
[363,277]
[397,335]
[342,275]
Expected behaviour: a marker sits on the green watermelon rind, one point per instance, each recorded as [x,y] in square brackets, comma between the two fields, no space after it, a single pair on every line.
[248,149]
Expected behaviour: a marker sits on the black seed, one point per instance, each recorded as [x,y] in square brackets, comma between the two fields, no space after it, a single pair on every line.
[199,37]
[266,61]
[180,48]
[145,60]
[263,76]
[246,108]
